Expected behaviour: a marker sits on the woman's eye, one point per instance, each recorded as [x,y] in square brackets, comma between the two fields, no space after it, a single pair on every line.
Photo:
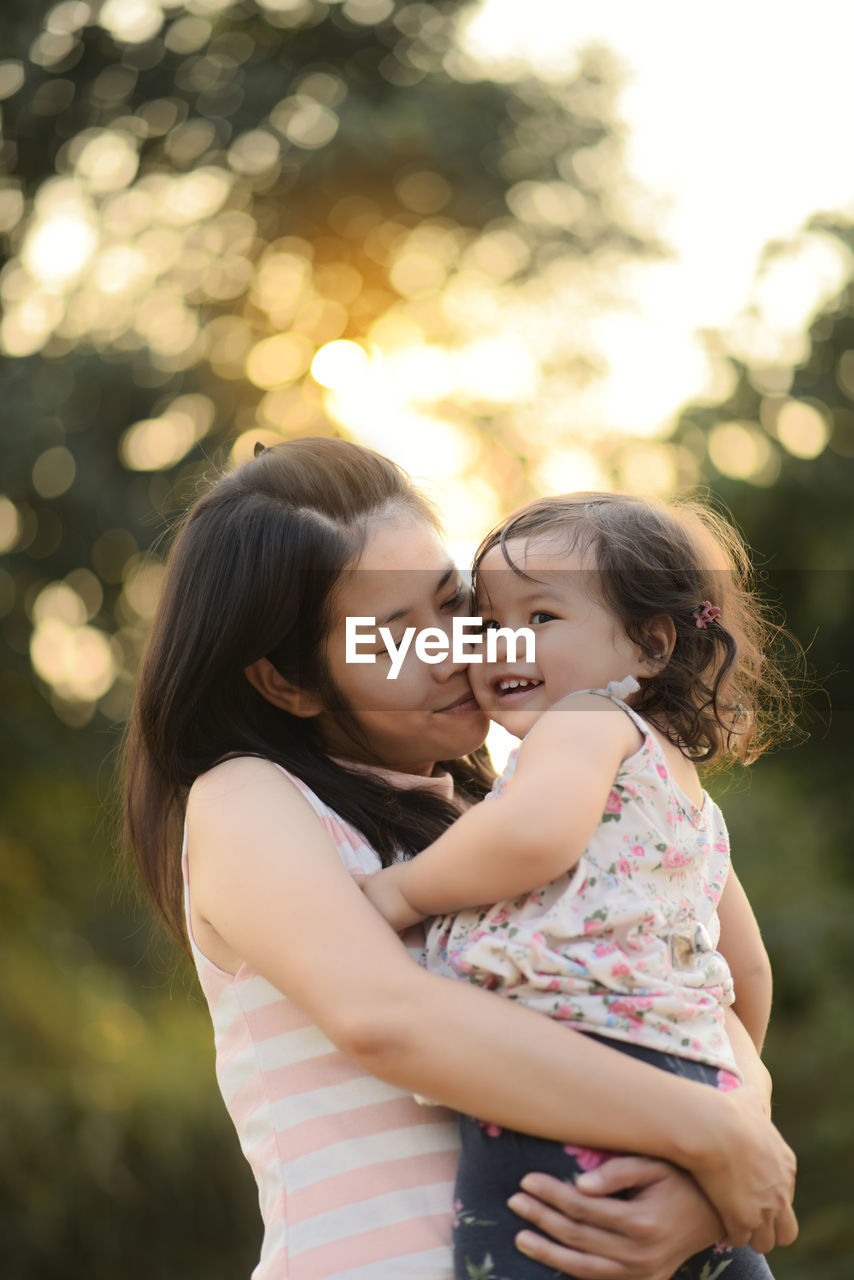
[541,616]
[489,624]
[459,597]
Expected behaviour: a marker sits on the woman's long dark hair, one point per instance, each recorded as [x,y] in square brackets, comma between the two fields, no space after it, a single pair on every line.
[251,575]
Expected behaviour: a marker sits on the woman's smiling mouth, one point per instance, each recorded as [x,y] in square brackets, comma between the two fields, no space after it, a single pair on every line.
[462,706]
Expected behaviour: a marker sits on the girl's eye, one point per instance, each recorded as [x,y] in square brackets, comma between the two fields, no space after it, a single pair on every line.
[489,624]
[541,616]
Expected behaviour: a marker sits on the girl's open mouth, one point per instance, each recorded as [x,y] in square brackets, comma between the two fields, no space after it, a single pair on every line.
[514,688]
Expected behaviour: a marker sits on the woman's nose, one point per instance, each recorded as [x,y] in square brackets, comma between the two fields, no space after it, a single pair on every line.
[457,657]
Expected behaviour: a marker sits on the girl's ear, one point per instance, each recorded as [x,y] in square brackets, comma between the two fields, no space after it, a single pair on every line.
[659,635]
[273,686]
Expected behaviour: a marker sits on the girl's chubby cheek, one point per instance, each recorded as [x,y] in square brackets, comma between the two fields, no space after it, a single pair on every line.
[480,686]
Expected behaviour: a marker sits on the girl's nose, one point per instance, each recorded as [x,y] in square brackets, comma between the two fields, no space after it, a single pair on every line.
[497,646]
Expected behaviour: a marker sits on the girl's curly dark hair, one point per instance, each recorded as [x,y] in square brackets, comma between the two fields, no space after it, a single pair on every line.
[722,696]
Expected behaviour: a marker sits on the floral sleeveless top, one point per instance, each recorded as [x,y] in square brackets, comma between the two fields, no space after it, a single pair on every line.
[623,944]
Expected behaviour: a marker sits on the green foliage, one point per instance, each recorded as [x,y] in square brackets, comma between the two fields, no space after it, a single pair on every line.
[791,822]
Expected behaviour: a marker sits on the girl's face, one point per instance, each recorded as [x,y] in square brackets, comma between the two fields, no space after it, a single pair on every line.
[403,578]
[579,643]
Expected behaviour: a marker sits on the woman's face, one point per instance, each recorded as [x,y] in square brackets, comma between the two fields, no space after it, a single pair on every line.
[403,578]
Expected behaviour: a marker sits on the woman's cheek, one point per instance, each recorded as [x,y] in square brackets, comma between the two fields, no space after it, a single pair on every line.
[410,690]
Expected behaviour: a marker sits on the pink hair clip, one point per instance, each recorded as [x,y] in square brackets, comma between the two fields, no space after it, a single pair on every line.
[706,613]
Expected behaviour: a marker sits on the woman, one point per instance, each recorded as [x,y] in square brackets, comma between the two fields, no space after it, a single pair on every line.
[293,769]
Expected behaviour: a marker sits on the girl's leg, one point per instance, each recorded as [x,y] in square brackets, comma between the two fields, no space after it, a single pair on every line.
[492,1163]
[725,1264]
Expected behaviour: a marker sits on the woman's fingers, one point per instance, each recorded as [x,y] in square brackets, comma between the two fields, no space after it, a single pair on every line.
[781,1230]
[572,1262]
[565,1203]
[622,1173]
[648,1236]
[569,1232]
[751,1178]
[786,1226]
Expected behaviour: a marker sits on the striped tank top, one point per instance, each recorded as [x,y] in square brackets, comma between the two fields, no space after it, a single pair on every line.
[355,1179]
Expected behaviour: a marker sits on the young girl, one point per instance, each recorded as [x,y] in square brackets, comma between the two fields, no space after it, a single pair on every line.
[615,910]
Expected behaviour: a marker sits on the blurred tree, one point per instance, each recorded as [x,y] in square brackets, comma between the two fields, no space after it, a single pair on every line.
[779,451]
[195,200]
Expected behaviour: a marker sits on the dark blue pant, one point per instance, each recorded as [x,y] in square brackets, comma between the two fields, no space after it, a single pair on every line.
[493,1162]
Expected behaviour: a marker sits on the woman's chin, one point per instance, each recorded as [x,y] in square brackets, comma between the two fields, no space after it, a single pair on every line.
[464,732]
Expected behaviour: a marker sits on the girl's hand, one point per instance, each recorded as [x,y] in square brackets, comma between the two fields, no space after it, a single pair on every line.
[750,1177]
[594,1236]
[385,894]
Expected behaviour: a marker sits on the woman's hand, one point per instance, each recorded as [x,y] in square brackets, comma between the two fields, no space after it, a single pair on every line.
[747,1170]
[592,1235]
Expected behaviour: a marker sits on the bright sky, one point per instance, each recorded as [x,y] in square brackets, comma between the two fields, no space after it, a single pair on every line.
[739,115]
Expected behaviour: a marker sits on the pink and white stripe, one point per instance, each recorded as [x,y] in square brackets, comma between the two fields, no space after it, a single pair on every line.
[355,1179]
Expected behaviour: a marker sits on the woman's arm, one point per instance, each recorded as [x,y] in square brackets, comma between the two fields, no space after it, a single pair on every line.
[278,899]
[529,836]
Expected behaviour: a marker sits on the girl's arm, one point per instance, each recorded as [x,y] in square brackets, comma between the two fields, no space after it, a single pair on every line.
[752,1068]
[742,947]
[747,1019]
[533,833]
[286,906]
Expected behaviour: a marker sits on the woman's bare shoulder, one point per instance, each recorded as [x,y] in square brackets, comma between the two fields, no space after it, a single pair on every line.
[241,782]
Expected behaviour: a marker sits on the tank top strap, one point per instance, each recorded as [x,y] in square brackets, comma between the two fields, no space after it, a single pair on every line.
[617,691]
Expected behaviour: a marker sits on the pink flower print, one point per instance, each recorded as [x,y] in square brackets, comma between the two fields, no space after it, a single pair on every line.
[637,850]
[501,917]
[721,846]
[620,970]
[604,949]
[491,1130]
[727,1081]
[587,1157]
[622,867]
[613,804]
[631,1007]
[593,925]
[661,770]
[672,857]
